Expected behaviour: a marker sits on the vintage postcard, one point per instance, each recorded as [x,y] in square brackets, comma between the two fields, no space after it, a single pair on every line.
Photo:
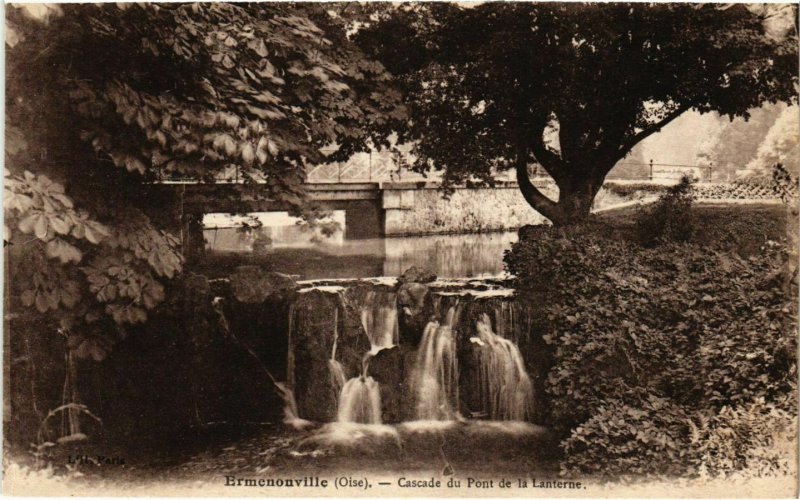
[448,249]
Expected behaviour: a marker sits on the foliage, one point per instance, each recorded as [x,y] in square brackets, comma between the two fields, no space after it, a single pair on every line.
[646,338]
[754,436]
[646,438]
[670,217]
[780,145]
[196,88]
[629,189]
[731,144]
[784,185]
[78,271]
[573,87]
[105,99]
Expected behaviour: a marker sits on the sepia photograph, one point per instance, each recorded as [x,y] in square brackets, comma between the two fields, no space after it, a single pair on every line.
[401,249]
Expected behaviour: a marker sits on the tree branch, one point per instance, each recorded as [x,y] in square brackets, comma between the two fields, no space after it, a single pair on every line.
[533,196]
[644,134]
[546,158]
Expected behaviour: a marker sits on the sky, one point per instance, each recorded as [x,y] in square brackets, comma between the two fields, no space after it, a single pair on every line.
[680,141]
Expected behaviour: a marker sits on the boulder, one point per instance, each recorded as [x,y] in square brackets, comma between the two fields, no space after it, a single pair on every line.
[319,320]
[252,284]
[416,275]
[392,368]
[414,310]
[311,345]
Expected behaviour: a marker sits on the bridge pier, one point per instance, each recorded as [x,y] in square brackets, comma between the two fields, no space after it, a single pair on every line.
[372,209]
[193,241]
[363,219]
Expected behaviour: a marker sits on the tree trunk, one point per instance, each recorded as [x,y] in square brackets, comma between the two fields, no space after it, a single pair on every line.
[575,200]
[576,194]
[531,193]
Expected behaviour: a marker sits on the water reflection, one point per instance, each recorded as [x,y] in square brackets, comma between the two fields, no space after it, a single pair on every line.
[456,255]
[449,256]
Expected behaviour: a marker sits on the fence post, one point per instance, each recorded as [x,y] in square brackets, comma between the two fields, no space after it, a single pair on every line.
[399,166]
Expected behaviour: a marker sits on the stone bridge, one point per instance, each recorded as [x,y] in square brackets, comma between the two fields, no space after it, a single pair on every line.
[374,209]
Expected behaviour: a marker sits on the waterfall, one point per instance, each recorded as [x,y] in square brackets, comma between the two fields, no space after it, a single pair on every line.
[291,415]
[505,320]
[337,371]
[360,398]
[435,375]
[337,375]
[429,383]
[506,388]
[379,319]
[360,401]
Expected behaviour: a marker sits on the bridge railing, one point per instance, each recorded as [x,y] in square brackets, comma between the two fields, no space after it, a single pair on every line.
[379,166]
[375,166]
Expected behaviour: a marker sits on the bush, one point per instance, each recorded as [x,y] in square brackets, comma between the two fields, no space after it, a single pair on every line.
[784,186]
[689,328]
[757,437]
[669,218]
[631,189]
[632,440]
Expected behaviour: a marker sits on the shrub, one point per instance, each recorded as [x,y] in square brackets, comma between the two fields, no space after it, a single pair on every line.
[647,438]
[756,437]
[695,328]
[631,189]
[784,186]
[669,218]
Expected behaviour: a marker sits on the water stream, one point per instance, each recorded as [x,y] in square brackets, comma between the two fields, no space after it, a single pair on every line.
[360,401]
[505,385]
[482,328]
[434,379]
[379,319]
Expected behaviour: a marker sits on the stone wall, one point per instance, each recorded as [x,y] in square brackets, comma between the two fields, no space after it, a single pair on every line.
[410,211]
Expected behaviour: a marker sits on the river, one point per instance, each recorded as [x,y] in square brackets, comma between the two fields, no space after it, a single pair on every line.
[293,250]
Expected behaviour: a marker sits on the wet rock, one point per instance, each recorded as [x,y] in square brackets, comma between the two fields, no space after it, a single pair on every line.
[471,402]
[320,320]
[388,368]
[252,284]
[415,274]
[311,344]
[414,311]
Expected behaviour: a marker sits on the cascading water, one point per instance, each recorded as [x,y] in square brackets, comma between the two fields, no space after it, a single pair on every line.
[506,388]
[360,398]
[337,371]
[435,375]
[505,319]
[360,401]
[421,384]
[379,319]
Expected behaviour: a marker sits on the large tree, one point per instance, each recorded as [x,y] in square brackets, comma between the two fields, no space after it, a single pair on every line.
[103,99]
[780,144]
[486,86]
